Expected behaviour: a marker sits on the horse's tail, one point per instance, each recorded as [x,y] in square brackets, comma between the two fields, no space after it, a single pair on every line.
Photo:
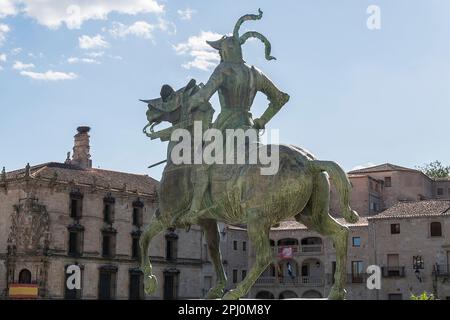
[342,184]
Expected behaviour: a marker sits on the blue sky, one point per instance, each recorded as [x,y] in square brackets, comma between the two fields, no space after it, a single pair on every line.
[358,96]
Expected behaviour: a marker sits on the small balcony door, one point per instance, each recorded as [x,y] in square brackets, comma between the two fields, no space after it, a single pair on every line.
[170,286]
[393,265]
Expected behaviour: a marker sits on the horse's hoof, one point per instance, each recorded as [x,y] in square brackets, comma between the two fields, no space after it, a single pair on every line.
[215,293]
[231,295]
[150,284]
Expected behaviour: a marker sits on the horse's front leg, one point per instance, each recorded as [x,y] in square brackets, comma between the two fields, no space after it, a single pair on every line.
[213,240]
[154,228]
[258,231]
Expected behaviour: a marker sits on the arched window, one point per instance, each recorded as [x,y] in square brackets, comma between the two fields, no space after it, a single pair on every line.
[435,229]
[287,242]
[312,294]
[288,295]
[264,295]
[25,276]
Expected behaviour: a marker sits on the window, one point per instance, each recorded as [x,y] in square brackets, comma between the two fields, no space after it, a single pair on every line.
[395,296]
[235,276]
[106,249]
[373,207]
[387,181]
[107,283]
[418,262]
[71,294]
[244,274]
[109,243]
[74,243]
[244,246]
[435,229]
[357,271]
[333,271]
[108,209]
[171,245]
[235,245]
[25,276]
[75,246]
[135,249]
[356,241]
[395,228]
[440,191]
[136,285]
[76,205]
[138,208]
[171,285]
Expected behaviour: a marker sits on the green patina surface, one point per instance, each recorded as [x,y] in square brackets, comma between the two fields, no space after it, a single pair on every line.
[205,194]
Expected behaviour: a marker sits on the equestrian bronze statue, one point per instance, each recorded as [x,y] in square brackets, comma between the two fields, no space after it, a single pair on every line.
[204,194]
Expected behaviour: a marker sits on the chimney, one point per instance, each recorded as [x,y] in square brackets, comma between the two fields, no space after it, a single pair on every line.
[81,156]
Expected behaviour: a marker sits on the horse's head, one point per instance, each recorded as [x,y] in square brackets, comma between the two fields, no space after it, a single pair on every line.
[169,108]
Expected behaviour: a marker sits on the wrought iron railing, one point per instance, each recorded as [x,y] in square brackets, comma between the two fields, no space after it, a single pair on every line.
[289,281]
[441,270]
[392,272]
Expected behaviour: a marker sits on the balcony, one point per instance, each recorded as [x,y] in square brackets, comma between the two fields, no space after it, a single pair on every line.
[441,270]
[307,249]
[393,272]
[298,250]
[290,281]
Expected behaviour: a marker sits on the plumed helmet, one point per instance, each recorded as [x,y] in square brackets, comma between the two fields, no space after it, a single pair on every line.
[230,46]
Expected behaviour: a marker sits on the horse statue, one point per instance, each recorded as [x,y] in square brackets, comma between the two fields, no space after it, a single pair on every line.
[300,189]
[238,193]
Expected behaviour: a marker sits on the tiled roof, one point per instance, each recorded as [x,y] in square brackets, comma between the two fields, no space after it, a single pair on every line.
[381,168]
[294,225]
[90,176]
[289,225]
[411,209]
[362,222]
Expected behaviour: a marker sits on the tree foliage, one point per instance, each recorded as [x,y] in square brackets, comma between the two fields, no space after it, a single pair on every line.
[423,296]
[435,169]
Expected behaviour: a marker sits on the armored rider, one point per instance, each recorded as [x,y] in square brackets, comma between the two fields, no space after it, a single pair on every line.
[237,85]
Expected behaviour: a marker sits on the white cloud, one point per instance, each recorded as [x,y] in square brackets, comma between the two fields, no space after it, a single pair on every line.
[141,29]
[7,8]
[115,57]
[49,75]
[18,65]
[16,51]
[73,13]
[186,14]
[2,59]
[36,56]
[95,54]
[86,42]
[4,29]
[204,57]
[73,60]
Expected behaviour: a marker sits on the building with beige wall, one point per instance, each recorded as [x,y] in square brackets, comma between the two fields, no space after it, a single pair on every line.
[54,215]
[414,260]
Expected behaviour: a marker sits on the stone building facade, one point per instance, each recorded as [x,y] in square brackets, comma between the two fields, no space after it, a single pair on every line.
[55,215]
[404,229]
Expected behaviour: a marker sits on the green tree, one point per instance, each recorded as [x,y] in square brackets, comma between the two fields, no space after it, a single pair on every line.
[423,296]
[435,169]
